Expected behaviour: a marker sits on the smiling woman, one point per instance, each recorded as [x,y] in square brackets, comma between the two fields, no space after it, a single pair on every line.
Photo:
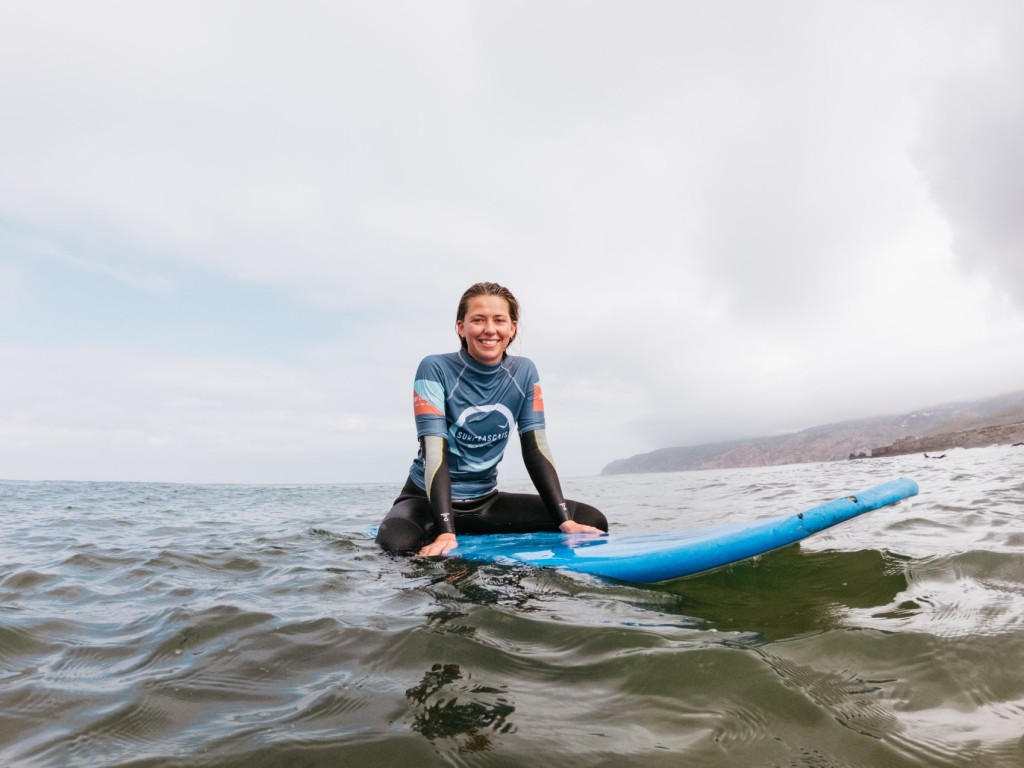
[465,404]
[487,322]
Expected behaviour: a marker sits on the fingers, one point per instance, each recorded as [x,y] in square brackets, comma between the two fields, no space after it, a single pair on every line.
[571,526]
[439,546]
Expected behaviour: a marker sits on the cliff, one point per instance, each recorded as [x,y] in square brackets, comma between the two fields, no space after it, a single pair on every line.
[977,423]
[999,434]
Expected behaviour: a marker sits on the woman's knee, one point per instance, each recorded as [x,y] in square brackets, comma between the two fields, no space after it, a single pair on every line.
[588,515]
[397,534]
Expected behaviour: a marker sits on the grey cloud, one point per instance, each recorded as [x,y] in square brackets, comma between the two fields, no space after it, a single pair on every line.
[971,150]
[706,208]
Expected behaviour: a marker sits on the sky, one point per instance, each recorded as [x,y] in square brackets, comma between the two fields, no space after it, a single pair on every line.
[229,231]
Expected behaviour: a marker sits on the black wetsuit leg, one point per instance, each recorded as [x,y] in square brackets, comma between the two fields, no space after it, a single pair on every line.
[520,513]
[410,523]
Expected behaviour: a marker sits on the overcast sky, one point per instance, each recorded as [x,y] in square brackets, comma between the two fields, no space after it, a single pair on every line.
[230,230]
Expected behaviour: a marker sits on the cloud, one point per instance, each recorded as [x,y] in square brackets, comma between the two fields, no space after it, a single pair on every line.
[231,230]
[323,151]
[13,290]
[129,414]
[971,148]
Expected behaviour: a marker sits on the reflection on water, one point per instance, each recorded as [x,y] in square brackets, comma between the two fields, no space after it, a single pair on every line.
[788,592]
[448,709]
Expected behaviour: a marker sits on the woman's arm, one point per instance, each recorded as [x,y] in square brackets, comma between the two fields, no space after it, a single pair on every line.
[540,465]
[439,494]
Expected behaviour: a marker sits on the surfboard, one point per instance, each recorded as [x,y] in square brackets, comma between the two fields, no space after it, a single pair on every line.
[651,557]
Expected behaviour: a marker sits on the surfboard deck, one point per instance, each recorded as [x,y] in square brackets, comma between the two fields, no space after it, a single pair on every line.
[665,555]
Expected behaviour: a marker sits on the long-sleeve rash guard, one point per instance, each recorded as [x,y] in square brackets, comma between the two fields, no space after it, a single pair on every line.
[538,463]
[473,408]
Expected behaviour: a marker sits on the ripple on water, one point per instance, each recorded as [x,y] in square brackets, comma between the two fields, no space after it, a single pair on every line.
[902,689]
[977,593]
[25,581]
[237,626]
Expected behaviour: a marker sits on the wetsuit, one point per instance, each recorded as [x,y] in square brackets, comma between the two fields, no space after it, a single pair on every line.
[465,412]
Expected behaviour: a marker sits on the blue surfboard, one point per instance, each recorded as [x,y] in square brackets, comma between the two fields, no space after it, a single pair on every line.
[664,555]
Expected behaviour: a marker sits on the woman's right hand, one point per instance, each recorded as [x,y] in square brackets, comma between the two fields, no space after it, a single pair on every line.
[571,526]
[443,543]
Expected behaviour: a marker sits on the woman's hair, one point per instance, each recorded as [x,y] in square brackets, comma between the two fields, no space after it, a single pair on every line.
[488,289]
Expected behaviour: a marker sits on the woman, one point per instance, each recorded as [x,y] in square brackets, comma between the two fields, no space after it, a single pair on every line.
[465,405]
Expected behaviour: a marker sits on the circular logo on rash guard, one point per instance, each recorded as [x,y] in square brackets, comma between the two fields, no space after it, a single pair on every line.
[480,428]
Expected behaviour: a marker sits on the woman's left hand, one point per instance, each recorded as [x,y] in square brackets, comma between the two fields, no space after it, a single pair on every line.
[571,526]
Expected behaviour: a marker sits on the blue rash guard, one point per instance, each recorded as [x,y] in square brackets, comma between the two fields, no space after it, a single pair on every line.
[465,412]
[474,406]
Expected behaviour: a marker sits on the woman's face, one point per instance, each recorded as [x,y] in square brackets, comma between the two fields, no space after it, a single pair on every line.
[487,328]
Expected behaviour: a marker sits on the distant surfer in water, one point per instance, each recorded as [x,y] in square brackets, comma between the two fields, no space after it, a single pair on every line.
[466,405]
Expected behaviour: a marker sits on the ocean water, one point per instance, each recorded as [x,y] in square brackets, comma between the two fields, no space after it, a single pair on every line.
[177,625]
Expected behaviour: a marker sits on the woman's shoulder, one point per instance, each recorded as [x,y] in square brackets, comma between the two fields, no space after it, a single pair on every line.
[520,365]
[444,357]
[442,362]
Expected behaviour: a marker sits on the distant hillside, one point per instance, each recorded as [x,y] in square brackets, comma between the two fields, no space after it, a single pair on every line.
[968,424]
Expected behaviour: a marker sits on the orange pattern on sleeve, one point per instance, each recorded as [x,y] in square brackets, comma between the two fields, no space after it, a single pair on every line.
[423,407]
[538,398]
